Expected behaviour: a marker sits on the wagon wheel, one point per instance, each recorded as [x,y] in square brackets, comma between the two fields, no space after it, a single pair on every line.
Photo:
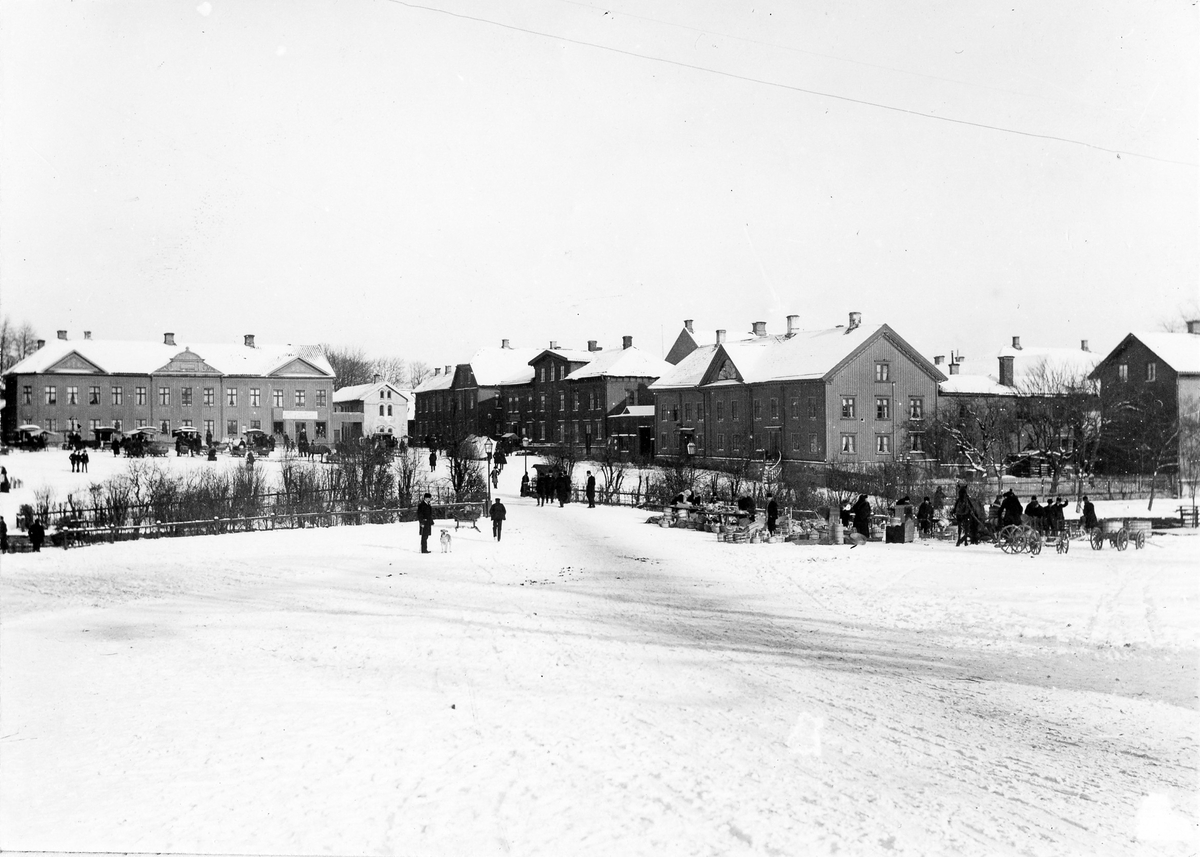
[1121,540]
[1033,541]
[1010,539]
[1139,541]
[1097,540]
[1064,544]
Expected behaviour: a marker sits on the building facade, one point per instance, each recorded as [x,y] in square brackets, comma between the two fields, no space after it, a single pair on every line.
[223,390]
[368,410]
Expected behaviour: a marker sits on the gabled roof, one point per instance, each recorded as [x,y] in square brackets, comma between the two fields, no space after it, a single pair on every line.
[574,355]
[1180,351]
[362,392]
[688,372]
[629,362]
[121,357]
[624,410]
[497,367]
[437,381]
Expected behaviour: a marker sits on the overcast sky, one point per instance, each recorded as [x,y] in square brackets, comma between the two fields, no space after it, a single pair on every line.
[421,179]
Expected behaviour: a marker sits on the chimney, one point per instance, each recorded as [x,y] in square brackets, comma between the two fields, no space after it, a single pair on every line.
[793,324]
[248,340]
[1006,370]
[1017,342]
[437,370]
[449,369]
[1194,326]
[87,334]
[41,343]
[375,378]
[592,345]
[939,359]
[687,325]
[626,342]
[720,336]
[855,321]
[504,343]
[760,328]
[1084,345]
[62,334]
[553,344]
[168,338]
[954,368]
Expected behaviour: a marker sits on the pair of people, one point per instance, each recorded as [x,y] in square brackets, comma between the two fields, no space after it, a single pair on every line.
[425,520]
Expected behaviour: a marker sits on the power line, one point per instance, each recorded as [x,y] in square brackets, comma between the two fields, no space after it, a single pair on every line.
[790,87]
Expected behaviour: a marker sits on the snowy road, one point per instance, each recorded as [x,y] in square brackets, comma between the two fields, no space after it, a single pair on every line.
[596,686]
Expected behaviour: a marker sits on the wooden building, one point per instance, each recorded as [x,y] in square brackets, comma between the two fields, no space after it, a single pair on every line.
[845,394]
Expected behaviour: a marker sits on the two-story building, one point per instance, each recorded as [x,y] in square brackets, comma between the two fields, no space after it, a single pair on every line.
[369,410]
[847,394]
[221,390]
[609,397]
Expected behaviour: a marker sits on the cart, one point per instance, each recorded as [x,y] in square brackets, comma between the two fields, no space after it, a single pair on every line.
[1119,532]
[1021,538]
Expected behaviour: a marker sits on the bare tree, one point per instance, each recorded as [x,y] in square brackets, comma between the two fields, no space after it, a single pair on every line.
[16,342]
[394,370]
[466,469]
[613,465]
[1058,411]
[978,432]
[350,365]
[417,373]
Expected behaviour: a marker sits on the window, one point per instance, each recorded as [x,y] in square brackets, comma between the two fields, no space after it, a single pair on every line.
[389,410]
[164,395]
[231,428]
[209,427]
[299,398]
[847,408]
[795,441]
[916,408]
[52,395]
[210,396]
[1123,372]
[256,424]
[675,412]
[757,406]
[321,397]
[562,401]
[186,422]
[185,396]
[812,443]
[72,424]
[812,408]
[733,410]
[882,372]
[720,411]
[381,410]
[94,395]
[542,404]
[319,429]
[848,444]
[51,424]
[883,408]
[141,422]
[27,394]
[917,442]
[255,397]
[687,412]
[72,395]
[277,399]
[1151,371]
[93,424]
[542,374]
[117,424]
[542,431]
[139,396]
[700,411]
[231,397]
[737,442]
[795,409]
[774,409]
[883,444]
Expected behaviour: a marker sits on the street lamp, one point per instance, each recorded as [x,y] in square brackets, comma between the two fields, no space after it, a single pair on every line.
[487,449]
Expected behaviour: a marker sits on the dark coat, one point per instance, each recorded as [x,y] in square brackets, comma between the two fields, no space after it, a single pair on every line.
[1010,510]
[1033,509]
[37,534]
[772,511]
[425,517]
[563,484]
[498,512]
[925,511]
[862,516]
[1089,515]
[591,486]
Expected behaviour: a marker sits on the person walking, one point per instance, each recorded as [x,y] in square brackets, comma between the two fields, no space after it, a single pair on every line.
[925,518]
[563,483]
[432,460]
[83,460]
[772,513]
[591,490]
[498,514]
[1089,514]
[425,521]
[37,535]
[3,535]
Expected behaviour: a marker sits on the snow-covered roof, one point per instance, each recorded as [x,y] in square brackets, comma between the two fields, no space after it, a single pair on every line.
[362,392]
[436,381]
[495,367]
[1180,351]
[629,362]
[634,411]
[688,372]
[125,357]
[575,355]
[1037,370]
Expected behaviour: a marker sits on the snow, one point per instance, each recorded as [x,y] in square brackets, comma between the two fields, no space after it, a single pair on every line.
[1180,351]
[592,685]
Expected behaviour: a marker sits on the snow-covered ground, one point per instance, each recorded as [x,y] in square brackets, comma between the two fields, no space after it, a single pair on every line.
[593,685]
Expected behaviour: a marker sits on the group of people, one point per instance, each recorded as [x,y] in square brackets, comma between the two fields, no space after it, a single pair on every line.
[79,460]
[1007,510]
[497,513]
[37,534]
[552,485]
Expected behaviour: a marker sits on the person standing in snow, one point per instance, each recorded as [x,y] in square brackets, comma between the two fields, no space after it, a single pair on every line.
[83,461]
[425,521]
[3,535]
[1010,509]
[925,517]
[37,535]
[591,490]
[432,460]
[1089,514]
[862,516]
[498,514]
[963,513]
[1033,510]
[772,513]
[564,488]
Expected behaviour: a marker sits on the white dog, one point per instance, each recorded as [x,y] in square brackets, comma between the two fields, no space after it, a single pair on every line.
[445,539]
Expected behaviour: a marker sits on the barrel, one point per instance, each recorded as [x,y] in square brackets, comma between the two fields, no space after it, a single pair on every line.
[837,533]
